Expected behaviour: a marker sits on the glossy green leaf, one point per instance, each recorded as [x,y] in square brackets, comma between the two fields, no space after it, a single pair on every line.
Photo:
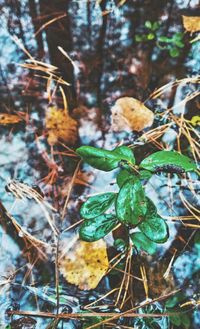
[155,228]
[145,174]
[97,205]
[106,160]
[124,153]
[131,205]
[96,228]
[123,176]
[143,243]
[168,158]
[175,319]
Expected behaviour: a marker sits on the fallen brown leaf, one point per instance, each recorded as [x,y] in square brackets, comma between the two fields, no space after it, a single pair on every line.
[61,126]
[191,23]
[6,119]
[129,114]
[85,264]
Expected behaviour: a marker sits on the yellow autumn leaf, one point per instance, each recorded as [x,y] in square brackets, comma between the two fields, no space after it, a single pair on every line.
[85,264]
[195,121]
[6,119]
[191,23]
[61,126]
[129,114]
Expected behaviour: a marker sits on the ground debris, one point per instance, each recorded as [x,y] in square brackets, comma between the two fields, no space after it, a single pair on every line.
[7,119]
[191,23]
[130,114]
[61,126]
[85,264]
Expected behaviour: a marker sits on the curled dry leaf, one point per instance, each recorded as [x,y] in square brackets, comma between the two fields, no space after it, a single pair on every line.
[85,264]
[7,119]
[61,126]
[129,114]
[191,23]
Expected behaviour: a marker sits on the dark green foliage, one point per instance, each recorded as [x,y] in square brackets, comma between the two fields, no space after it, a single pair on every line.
[180,319]
[141,242]
[171,159]
[123,176]
[161,322]
[132,207]
[98,227]
[152,32]
[106,160]
[155,228]
[97,205]
[131,203]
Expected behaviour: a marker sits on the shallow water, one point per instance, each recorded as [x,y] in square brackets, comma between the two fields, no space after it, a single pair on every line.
[108,64]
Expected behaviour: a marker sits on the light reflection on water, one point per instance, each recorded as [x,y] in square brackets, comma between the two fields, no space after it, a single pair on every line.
[19,157]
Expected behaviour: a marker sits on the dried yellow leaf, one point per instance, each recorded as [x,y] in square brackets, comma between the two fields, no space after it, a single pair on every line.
[191,23]
[85,264]
[6,119]
[129,114]
[61,126]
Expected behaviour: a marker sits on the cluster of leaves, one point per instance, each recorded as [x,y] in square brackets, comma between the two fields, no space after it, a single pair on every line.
[130,206]
[178,319]
[173,44]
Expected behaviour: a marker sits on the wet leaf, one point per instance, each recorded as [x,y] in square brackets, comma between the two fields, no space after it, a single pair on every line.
[97,205]
[7,119]
[123,176]
[155,228]
[106,160]
[85,264]
[166,159]
[143,243]
[191,23]
[98,227]
[131,203]
[129,114]
[61,127]
[145,174]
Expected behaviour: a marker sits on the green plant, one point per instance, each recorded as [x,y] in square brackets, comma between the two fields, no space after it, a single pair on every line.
[151,32]
[130,207]
[150,322]
[173,44]
[178,317]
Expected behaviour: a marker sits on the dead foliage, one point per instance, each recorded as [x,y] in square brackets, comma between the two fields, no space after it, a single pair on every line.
[61,126]
[85,264]
[191,23]
[130,114]
[7,119]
